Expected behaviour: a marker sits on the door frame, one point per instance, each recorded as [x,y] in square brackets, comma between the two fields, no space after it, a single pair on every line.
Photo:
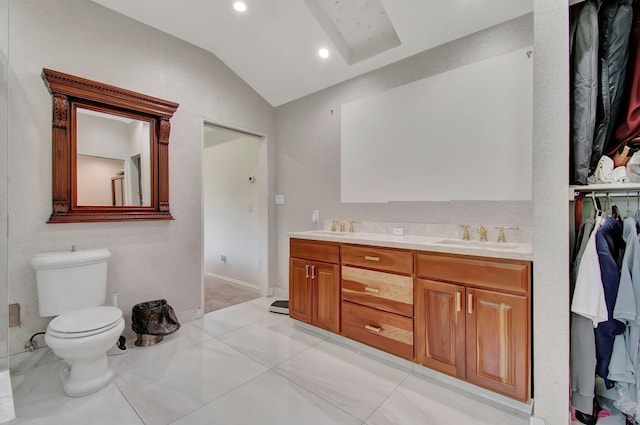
[262,180]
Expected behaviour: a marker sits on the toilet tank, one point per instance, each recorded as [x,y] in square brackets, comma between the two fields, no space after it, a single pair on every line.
[70,280]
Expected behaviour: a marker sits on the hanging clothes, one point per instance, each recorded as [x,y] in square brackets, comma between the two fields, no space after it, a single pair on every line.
[625,359]
[584,87]
[629,127]
[588,295]
[583,343]
[616,19]
[608,244]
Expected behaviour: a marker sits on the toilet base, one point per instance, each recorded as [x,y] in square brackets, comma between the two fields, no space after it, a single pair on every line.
[80,388]
[86,368]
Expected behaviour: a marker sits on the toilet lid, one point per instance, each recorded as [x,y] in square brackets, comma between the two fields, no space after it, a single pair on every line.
[85,322]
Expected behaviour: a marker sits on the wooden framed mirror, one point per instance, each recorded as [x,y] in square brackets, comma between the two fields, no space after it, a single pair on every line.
[110,152]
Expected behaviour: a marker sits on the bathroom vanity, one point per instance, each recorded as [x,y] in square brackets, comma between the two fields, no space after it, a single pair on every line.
[462,308]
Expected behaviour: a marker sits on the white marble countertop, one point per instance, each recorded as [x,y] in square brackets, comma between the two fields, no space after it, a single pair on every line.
[513,251]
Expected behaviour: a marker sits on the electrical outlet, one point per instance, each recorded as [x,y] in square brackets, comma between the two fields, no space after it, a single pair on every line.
[223,258]
[315,216]
[279,199]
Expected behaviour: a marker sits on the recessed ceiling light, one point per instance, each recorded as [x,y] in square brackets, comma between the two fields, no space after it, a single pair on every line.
[240,6]
[323,53]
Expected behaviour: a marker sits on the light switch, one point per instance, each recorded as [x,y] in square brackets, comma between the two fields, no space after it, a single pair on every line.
[315,216]
[279,199]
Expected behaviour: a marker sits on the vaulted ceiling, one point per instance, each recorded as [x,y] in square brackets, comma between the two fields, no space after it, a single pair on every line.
[274,44]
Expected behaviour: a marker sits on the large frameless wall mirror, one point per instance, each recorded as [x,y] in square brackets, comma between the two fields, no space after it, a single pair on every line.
[110,152]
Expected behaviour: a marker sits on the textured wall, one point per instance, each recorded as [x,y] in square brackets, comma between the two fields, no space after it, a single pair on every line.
[149,259]
[551,211]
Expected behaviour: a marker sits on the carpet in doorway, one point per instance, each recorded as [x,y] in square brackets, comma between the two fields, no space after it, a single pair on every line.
[220,294]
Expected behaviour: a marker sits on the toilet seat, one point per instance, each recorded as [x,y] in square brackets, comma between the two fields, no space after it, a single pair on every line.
[84,322]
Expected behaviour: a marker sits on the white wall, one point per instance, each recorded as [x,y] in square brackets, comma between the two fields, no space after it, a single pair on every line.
[4,162]
[231,209]
[150,259]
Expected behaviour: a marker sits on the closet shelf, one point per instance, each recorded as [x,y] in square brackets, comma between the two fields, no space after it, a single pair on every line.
[574,190]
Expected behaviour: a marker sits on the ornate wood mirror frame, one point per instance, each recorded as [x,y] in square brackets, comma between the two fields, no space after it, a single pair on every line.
[69,93]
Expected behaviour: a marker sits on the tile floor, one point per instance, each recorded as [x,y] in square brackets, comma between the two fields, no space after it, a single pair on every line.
[244,365]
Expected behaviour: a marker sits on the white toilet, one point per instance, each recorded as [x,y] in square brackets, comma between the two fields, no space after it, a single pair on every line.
[72,285]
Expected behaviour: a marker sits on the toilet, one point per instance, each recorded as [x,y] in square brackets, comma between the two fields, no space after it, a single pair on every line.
[72,286]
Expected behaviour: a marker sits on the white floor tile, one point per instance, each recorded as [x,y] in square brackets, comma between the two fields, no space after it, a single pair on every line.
[216,371]
[420,402]
[270,341]
[106,407]
[357,384]
[269,400]
[229,319]
[188,335]
[168,388]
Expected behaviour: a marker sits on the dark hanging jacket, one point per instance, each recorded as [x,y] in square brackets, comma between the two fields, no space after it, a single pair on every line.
[616,19]
[584,87]
[608,244]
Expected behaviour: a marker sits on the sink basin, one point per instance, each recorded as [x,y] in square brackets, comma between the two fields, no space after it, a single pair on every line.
[476,244]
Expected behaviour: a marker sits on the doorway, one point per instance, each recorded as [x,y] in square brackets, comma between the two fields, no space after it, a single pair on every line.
[235,216]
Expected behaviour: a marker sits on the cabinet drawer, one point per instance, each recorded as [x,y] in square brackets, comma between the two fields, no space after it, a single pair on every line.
[504,275]
[397,261]
[386,331]
[327,252]
[384,291]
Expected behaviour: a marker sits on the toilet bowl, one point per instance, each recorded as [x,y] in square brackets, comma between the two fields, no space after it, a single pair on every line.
[82,338]
[71,286]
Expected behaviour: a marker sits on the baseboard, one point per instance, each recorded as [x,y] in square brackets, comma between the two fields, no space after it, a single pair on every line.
[233,281]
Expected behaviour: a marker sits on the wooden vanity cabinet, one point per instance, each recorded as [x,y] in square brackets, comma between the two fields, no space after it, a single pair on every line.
[472,320]
[377,298]
[314,283]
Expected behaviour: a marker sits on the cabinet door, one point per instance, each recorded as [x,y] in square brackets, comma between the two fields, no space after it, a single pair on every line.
[300,289]
[498,342]
[440,326]
[325,280]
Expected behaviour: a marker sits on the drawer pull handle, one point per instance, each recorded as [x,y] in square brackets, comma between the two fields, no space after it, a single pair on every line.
[306,268]
[372,328]
[373,290]
[313,272]
[370,258]
[470,303]
[458,302]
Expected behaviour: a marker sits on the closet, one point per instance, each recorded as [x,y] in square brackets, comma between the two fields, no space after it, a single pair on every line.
[605,178]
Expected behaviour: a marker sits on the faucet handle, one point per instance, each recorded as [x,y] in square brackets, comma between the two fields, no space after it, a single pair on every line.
[483,233]
[351,223]
[501,237]
[334,223]
[465,232]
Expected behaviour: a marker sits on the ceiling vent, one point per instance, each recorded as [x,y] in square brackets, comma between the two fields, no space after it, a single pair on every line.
[359,29]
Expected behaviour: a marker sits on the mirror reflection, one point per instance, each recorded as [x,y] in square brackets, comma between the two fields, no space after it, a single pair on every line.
[113,163]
